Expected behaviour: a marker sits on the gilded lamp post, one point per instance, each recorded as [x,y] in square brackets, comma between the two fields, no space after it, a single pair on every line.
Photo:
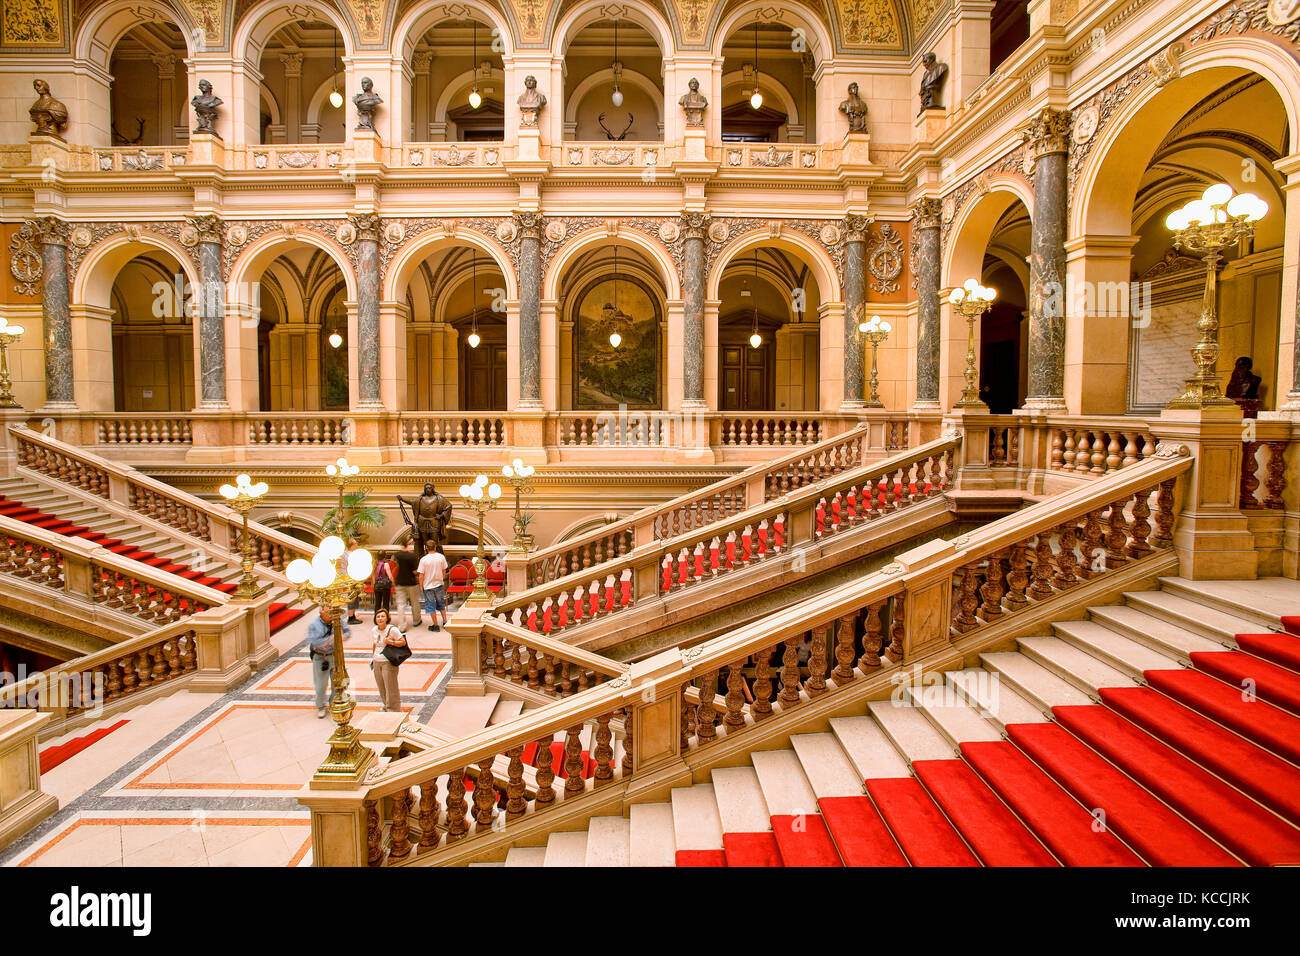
[9,335]
[875,332]
[243,496]
[1205,227]
[321,582]
[972,300]
[517,474]
[340,472]
[482,497]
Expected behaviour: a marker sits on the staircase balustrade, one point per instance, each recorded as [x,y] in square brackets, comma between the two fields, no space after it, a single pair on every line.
[681,704]
[553,668]
[810,513]
[1263,465]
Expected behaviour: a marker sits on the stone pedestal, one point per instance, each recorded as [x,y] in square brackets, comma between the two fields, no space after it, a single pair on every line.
[1211,534]
[694,141]
[855,149]
[22,804]
[973,424]
[930,124]
[927,604]
[49,151]
[466,628]
[530,144]
[206,149]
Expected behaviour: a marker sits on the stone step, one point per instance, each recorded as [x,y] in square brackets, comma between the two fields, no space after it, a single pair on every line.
[868,748]
[827,766]
[741,806]
[1086,672]
[1209,622]
[786,789]
[696,823]
[1264,601]
[993,698]
[609,842]
[526,856]
[1031,680]
[953,717]
[1155,632]
[652,839]
[568,848]
[505,710]
[910,731]
[1115,649]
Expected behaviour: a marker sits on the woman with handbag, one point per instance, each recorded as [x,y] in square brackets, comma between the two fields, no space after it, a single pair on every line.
[381,581]
[390,650]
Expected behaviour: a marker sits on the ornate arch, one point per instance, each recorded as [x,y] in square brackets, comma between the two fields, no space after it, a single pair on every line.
[407,259]
[99,266]
[972,229]
[416,21]
[262,20]
[261,251]
[793,15]
[793,241]
[599,237]
[567,24]
[103,28]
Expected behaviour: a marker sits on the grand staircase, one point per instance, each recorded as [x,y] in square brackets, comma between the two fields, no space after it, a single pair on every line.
[1161,731]
[27,499]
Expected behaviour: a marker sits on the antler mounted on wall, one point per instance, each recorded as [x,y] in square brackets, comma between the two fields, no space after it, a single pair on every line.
[609,134]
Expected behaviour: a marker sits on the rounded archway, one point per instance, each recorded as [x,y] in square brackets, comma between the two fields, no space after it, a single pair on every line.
[613,81]
[302,71]
[458,82]
[768,93]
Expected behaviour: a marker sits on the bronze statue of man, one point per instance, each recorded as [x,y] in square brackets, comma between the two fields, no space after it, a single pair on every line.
[429,518]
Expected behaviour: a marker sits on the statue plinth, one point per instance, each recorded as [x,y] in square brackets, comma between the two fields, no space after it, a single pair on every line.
[694,141]
[206,149]
[855,149]
[366,146]
[530,144]
[930,124]
[47,148]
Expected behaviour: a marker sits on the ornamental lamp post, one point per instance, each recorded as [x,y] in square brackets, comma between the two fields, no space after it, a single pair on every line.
[243,497]
[1206,227]
[972,300]
[482,497]
[518,474]
[340,472]
[875,332]
[321,582]
[9,335]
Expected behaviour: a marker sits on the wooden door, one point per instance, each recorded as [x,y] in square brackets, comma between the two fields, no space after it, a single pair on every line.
[746,381]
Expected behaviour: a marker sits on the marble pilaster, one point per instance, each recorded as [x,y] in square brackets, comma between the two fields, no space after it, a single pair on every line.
[1049,138]
[211,317]
[367,226]
[56,311]
[928,333]
[530,309]
[694,225]
[855,305]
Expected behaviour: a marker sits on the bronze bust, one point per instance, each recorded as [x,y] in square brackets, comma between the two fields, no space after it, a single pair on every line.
[49,115]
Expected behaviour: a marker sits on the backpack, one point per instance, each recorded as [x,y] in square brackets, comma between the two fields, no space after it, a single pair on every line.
[382,578]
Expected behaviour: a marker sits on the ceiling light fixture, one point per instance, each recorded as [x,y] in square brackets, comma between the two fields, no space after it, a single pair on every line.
[617,96]
[756,100]
[475,100]
[336,98]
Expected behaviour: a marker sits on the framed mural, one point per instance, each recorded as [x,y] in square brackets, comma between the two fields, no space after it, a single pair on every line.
[32,23]
[607,375]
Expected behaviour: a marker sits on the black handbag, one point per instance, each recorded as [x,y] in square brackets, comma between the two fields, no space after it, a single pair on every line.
[395,654]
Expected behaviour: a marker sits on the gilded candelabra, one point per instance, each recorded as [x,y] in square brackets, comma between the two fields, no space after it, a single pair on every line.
[482,497]
[340,472]
[972,300]
[243,497]
[518,475]
[321,582]
[875,332]
[1205,227]
[9,335]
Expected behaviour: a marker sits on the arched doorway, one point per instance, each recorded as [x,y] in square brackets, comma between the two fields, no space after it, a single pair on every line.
[613,85]
[153,336]
[1004,329]
[148,103]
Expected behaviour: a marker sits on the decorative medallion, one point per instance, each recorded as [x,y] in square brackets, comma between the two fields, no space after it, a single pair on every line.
[142,162]
[556,230]
[25,259]
[394,232]
[346,234]
[506,231]
[613,156]
[669,232]
[830,234]
[719,231]
[491,157]
[333,159]
[105,161]
[189,236]
[1282,12]
[237,235]
[80,237]
[259,160]
[885,260]
[1086,122]
[415,157]
[735,157]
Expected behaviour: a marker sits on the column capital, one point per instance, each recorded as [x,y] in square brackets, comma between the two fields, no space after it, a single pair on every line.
[292,64]
[1049,131]
[695,224]
[50,230]
[209,227]
[367,225]
[164,64]
[856,226]
[928,212]
[530,224]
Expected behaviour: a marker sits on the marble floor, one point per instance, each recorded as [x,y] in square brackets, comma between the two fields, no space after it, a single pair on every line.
[211,780]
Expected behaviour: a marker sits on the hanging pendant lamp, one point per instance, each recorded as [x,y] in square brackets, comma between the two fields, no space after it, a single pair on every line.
[756,100]
[473,338]
[615,339]
[475,100]
[755,338]
[336,98]
[617,96]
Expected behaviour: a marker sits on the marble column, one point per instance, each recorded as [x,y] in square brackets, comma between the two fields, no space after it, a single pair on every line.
[855,305]
[367,226]
[212,313]
[926,221]
[530,309]
[694,225]
[56,312]
[1049,142]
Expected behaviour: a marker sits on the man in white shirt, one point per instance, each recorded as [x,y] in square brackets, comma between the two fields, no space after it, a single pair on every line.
[432,574]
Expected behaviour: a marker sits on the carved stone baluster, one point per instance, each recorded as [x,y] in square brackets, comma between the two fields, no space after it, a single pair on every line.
[735,697]
[573,762]
[545,773]
[399,843]
[1140,528]
[790,673]
[1058,451]
[485,796]
[967,601]
[629,735]
[762,705]
[1066,560]
[1067,452]
[1090,563]
[871,640]
[532,668]
[1164,516]
[1116,535]
[1017,577]
[515,802]
[604,753]
[1113,459]
[817,662]
[1131,449]
[843,672]
[894,652]
[429,814]
[706,712]
[457,826]
[1042,570]
[374,833]
[1275,476]
[991,592]
[1249,482]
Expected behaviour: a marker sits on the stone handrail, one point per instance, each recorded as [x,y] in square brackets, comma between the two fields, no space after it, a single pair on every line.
[1263,464]
[540,663]
[691,510]
[81,568]
[807,514]
[669,705]
[207,522]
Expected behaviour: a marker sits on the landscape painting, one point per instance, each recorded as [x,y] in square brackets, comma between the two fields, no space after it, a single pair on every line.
[607,375]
